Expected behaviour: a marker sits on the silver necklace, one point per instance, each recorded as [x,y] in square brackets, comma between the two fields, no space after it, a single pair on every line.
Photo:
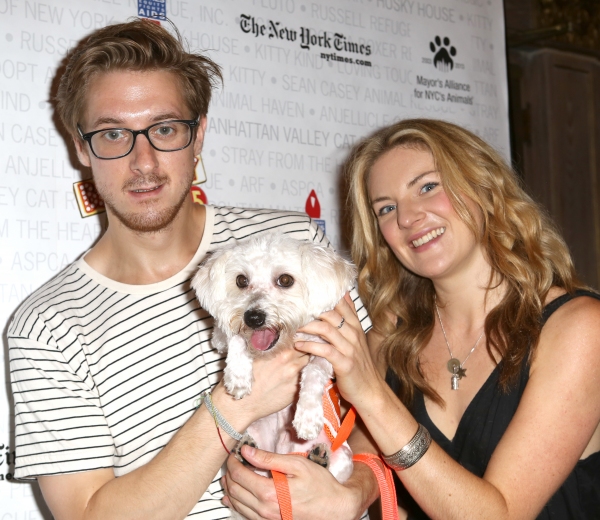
[454,366]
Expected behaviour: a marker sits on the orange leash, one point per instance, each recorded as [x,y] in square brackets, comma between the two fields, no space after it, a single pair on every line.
[385,479]
[345,429]
[383,474]
[283,495]
[338,434]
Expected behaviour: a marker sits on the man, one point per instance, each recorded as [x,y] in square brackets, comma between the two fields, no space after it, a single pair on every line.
[108,359]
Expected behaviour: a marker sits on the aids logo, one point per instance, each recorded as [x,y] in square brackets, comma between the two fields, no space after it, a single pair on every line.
[152,10]
[443,53]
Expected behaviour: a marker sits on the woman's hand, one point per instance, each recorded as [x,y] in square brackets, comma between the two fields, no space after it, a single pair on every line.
[346,349]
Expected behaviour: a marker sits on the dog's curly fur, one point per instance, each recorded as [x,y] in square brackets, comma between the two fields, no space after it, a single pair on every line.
[259,292]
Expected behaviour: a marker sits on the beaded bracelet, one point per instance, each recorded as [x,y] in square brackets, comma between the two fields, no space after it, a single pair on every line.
[411,453]
[220,421]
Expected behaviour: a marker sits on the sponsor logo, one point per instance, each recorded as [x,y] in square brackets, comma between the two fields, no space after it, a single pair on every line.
[332,42]
[88,200]
[443,55]
[7,456]
[313,209]
[152,9]
[442,90]
[198,195]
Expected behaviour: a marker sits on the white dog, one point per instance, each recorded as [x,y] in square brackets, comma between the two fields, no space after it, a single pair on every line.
[260,292]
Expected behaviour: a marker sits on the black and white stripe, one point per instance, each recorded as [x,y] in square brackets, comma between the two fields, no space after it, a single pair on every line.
[104,374]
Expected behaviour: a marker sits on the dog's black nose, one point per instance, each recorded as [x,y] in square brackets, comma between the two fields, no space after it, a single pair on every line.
[255,319]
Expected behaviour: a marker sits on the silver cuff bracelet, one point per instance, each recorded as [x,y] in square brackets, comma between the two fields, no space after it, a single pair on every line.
[411,453]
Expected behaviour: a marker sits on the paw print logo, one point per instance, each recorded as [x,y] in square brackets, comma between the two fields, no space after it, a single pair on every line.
[443,53]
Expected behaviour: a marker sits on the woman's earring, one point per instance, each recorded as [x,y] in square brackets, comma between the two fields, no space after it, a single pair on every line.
[199,171]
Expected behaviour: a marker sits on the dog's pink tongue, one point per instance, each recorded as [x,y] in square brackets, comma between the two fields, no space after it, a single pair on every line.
[262,339]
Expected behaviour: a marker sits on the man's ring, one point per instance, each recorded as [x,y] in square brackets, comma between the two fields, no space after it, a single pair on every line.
[341,323]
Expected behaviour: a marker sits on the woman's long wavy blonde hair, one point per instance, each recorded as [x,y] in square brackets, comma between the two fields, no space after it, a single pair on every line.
[523,246]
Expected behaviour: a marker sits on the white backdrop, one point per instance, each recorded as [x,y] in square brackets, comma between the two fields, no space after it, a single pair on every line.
[304,80]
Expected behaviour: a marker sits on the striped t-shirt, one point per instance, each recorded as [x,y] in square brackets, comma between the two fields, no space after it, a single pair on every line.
[104,373]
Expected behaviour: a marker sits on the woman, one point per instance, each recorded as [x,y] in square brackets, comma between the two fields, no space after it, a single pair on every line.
[483,338]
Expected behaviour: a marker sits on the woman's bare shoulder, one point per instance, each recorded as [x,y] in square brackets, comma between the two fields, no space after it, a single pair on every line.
[572,331]
[581,309]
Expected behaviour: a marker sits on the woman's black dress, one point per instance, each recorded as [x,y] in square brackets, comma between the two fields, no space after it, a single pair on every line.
[483,425]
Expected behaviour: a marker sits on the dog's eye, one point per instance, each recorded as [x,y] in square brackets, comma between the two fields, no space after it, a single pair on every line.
[241,281]
[285,280]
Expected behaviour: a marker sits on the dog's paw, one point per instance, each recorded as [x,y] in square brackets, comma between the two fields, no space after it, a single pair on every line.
[246,440]
[308,423]
[236,386]
[319,454]
[237,392]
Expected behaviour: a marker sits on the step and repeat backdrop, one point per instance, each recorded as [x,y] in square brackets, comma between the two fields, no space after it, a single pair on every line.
[304,81]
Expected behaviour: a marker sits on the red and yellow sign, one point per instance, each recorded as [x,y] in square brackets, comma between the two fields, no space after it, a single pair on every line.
[313,207]
[88,200]
[198,195]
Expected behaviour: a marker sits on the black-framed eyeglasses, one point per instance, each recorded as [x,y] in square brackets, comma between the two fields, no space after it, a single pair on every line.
[165,136]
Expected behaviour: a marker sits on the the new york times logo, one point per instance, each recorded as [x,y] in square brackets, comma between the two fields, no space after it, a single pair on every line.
[308,39]
[9,458]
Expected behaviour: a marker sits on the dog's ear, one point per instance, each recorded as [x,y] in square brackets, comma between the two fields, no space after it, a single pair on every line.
[328,276]
[209,280]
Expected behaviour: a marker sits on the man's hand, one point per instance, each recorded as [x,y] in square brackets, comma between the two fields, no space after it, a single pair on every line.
[314,491]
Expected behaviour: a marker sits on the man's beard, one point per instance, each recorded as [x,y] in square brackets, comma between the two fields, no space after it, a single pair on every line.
[148,220]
